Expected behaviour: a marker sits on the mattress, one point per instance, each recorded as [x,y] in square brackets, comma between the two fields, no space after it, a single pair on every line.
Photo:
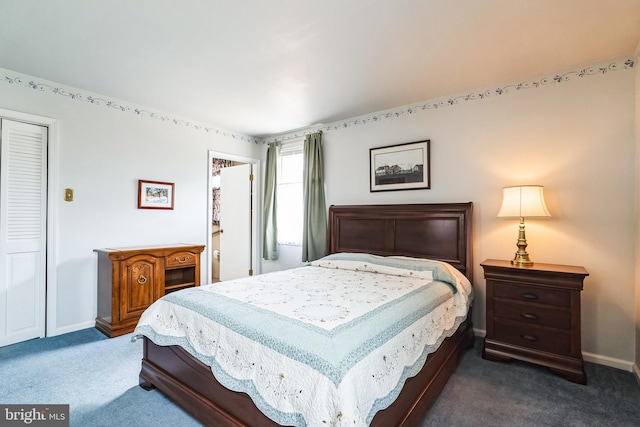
[330,343]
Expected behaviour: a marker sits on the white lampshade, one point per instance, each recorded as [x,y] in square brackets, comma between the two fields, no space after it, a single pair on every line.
[526,201]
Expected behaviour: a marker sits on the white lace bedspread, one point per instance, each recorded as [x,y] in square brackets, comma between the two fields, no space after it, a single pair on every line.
[324,345]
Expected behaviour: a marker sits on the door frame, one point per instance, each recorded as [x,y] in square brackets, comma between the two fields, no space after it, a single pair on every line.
[255,216]
[51,287]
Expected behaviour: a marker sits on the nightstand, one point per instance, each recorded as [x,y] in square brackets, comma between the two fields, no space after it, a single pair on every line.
[533,314]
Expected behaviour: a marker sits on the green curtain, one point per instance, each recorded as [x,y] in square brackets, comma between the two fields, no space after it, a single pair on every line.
[269,209]
[314,231]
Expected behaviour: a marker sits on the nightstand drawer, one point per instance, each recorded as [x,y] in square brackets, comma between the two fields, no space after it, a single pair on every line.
[533,315]
[180,259]
[539,339]
[535,294]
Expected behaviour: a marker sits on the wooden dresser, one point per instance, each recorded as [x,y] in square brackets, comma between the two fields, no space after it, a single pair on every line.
[131,279]
[533,314]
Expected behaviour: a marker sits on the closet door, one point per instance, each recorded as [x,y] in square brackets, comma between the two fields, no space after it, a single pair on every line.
[23,189]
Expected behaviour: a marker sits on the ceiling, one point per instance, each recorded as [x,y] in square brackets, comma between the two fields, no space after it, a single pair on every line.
[263,67]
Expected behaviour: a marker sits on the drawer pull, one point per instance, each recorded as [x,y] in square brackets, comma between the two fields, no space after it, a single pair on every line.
[183,260]
[529,296]
[529,316]
[142,280]
[529,337]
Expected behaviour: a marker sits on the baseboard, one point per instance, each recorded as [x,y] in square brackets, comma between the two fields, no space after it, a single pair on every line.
[591,357]
[612,362]
[479,332]
[72,328]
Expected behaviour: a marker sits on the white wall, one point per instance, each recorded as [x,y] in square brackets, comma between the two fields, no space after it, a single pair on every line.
[637,213]
[575,137]
[101,153]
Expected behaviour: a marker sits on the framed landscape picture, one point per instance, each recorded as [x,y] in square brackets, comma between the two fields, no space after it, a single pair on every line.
[155,195]
[400,167]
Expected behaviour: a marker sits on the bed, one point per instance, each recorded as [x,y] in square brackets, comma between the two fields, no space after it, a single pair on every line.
[388,236]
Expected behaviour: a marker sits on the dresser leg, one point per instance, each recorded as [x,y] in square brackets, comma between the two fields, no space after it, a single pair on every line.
[146,385]
[574,377]
[489,355]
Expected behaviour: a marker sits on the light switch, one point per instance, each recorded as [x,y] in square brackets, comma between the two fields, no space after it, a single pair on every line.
[68,194]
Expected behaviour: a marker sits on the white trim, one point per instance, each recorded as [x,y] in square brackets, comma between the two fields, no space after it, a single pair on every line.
[292,146]
[612,362]
[479,332]
[76,327]
[52,209]
[52,233]
[256,227]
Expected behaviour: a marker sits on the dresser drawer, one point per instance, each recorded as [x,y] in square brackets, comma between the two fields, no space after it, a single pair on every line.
[533,314]
[558,298]
[180,259]
[553,341]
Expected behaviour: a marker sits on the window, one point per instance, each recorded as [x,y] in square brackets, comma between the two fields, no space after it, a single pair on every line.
[290,203]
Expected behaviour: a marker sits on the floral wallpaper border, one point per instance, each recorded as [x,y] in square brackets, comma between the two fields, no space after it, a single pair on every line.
[77,95]
[624,63]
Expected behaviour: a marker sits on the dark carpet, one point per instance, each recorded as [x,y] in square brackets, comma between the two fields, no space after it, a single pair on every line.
[98,378]
[484,393]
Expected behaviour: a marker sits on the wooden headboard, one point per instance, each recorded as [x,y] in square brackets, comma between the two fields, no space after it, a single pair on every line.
[440,231]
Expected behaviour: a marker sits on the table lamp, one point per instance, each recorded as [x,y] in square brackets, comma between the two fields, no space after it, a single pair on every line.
[525,201]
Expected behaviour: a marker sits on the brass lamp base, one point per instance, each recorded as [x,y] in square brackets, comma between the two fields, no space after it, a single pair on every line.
[522,257]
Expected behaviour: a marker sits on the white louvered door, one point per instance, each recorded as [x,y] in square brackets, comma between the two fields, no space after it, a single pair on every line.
[23,189]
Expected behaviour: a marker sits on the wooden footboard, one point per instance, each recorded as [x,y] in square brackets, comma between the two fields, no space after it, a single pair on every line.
[191,384]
